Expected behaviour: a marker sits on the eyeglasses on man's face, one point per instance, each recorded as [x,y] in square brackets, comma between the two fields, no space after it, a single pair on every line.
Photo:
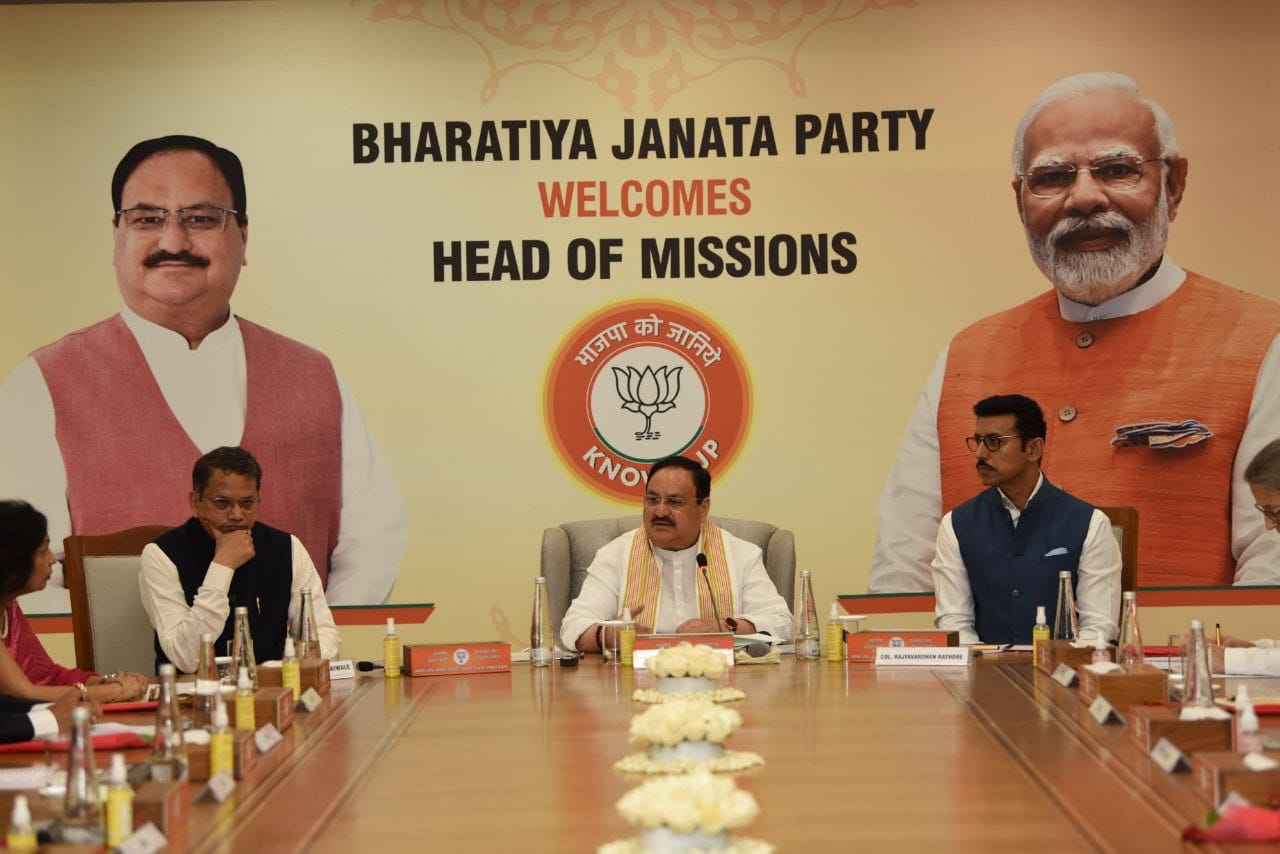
[1113,173]
[991,441]
[224,505]
[198,218]
[675,502]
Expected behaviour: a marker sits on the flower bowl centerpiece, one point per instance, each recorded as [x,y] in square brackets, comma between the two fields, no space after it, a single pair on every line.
[694,812]
[686,669]
[684,735]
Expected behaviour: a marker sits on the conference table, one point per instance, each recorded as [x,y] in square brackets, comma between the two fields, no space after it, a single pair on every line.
[992,756]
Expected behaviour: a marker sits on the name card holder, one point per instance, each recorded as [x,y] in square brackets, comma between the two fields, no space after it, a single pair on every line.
[861,646]
[647,646]
[266,738]
[1064,675]
[448,659]
[1216,773]
[892,656]
[342,668]
[1051,653]
[221,785]
[1133,685]
[167,806]
[1103,712]
[1149,725]
[145,840]
[310,700]
[1169,757]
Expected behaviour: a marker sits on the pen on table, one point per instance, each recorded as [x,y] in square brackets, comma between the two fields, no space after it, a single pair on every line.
[1217,633]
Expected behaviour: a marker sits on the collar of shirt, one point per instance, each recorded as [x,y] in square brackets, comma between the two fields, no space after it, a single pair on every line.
[1014,512]
[1166,281]
[156,339]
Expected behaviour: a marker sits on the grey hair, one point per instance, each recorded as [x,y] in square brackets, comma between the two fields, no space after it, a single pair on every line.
[1095,81]
[1264,469]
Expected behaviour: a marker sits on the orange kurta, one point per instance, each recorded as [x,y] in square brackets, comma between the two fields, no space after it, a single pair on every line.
[1195,355]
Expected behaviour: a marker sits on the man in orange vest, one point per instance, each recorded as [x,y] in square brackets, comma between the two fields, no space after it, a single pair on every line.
[1160,382]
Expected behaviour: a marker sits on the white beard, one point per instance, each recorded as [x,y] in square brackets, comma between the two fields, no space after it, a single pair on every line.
[1091,278]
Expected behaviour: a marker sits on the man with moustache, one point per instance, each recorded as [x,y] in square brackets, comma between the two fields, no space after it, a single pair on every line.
[999,554]
[1126,339]
[657,571]
[194,576]
[133,399]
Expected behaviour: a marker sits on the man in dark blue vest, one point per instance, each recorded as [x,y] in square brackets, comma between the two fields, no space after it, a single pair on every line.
[194,576]
[999,554]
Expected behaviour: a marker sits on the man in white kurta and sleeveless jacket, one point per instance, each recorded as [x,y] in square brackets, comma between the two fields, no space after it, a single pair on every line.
[657,570]
[176,373]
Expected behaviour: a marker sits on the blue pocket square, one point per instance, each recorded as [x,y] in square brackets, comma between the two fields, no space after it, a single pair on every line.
[1058,551]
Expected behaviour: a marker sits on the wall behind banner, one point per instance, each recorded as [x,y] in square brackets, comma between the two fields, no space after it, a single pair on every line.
[450,376]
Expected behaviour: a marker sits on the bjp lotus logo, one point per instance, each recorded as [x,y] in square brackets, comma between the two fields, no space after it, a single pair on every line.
[648,393]
[665,362]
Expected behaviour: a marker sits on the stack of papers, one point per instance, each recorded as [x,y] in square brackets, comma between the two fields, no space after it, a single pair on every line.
[1162,434]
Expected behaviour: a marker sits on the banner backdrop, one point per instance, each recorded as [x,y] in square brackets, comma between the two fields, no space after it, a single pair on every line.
[546,243]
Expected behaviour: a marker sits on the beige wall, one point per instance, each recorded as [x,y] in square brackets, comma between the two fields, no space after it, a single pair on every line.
[450,376]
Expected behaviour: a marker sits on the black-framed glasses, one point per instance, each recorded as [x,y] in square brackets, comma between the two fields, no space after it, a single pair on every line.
[675,502]
[1114,173]
[197,218]
[224,505]
[992,441]
[1272,515]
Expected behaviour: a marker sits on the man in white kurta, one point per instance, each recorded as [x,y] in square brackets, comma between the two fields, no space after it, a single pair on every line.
[676,535]
[176,282]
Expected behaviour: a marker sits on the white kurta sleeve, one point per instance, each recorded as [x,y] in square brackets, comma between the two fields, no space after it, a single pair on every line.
[373,529]
[953,607]
[178,625]
[1257,552]
[910,505]
[601,595]
[758,598]
[1098,579]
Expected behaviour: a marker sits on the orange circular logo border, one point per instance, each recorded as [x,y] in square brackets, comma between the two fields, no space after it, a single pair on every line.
[613,329]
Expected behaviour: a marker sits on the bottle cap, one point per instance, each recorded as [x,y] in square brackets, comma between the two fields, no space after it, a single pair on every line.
[804,573]
[626,615]
[80,715]
[206,638]
[21,812]
[541,579]
[167,669]
[220,714]
[119,773]
[290,651]
[835,611]
[244,681]
[244,609]
[1041,619]
[1196,624]
[391,625]
[1066,573]
[1129,594]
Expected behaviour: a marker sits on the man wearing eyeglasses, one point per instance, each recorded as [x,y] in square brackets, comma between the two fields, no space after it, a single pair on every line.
[1160,382]
[998,555]
[679,572]
[193,577]
[134,398]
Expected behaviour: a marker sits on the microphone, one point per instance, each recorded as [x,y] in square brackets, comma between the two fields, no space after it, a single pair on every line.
[757,649]
[715,609]
[366,666]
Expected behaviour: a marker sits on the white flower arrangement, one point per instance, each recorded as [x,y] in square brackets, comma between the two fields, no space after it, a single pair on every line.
[693,803]
[684,720]
[686,659]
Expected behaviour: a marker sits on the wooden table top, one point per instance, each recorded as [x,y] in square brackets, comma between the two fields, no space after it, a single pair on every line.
[957,759]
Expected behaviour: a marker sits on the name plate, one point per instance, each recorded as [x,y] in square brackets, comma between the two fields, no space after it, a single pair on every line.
[267,737]
[221,785]
[861,646]
[1103,712]
[145,840]
[647,646]
[447,659]
[342,668]
[310,700]
[1168,756]
[942,656]
[1064,675]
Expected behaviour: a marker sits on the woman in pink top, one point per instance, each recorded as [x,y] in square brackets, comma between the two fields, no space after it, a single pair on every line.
[25,668]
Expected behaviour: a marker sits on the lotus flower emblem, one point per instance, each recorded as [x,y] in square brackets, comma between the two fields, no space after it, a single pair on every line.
[648,393]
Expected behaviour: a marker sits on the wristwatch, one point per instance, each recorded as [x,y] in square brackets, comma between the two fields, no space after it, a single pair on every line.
[732,624]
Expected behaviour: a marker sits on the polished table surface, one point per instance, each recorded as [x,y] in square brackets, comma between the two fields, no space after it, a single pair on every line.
[957,759]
